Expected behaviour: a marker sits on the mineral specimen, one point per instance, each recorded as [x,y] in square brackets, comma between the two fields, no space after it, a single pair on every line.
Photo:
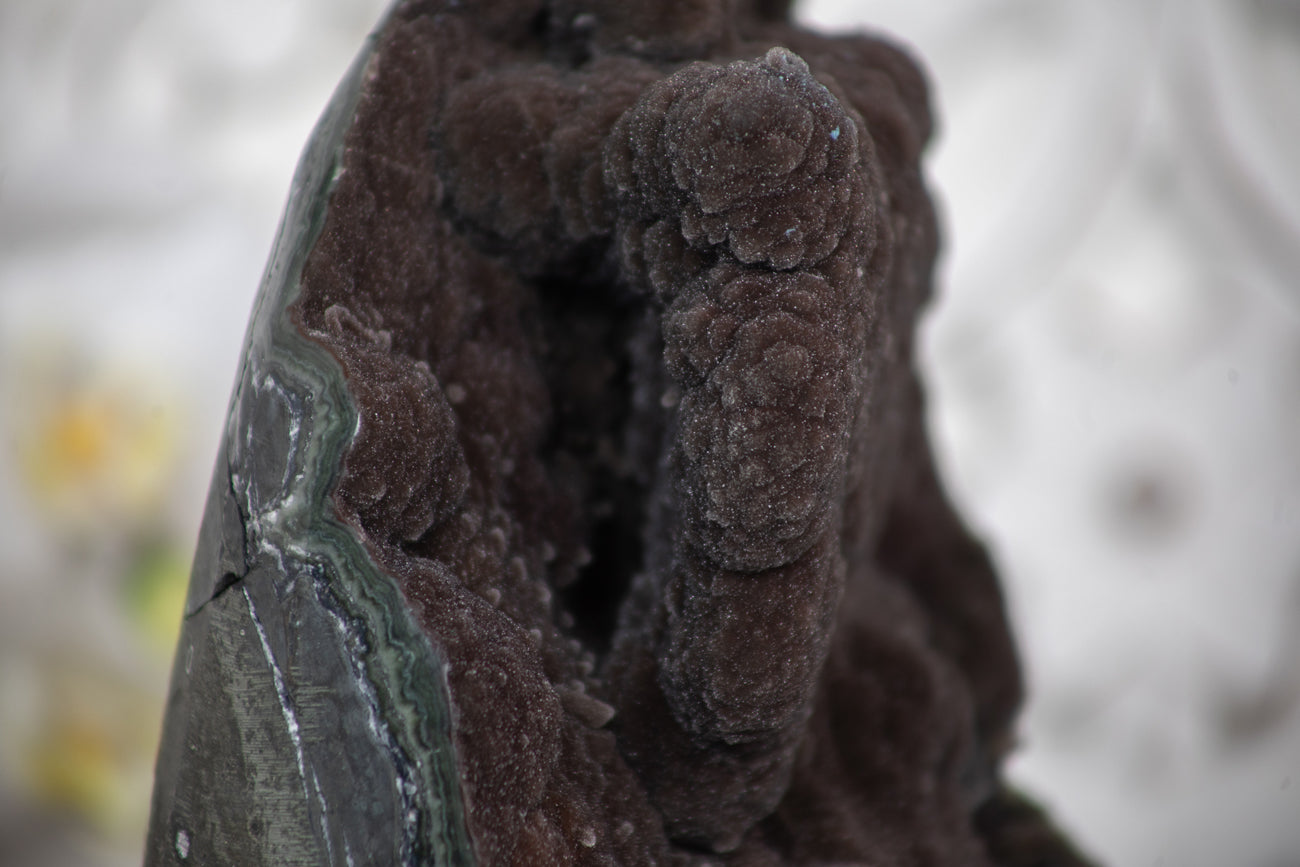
[576,506]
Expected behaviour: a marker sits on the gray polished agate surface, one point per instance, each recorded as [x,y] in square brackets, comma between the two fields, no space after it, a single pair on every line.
[575,505]
[308,719]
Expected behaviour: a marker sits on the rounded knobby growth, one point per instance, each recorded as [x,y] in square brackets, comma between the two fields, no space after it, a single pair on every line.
[757,158]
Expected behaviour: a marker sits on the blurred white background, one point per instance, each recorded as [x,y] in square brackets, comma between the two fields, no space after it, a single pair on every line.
[1114,358]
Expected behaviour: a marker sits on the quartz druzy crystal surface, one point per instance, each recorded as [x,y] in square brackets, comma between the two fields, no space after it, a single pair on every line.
[576,506]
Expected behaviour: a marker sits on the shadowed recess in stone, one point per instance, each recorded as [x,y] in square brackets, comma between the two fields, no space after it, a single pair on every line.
[601,315]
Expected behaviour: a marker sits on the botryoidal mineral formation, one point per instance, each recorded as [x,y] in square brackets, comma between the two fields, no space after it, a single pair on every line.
[576,505]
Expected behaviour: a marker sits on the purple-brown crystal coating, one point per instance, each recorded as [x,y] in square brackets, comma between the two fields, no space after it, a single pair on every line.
[624,294]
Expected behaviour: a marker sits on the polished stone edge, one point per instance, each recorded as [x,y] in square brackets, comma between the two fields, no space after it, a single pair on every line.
[308,718]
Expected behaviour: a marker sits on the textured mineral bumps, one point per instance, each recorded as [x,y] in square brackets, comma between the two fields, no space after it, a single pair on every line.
[624,295]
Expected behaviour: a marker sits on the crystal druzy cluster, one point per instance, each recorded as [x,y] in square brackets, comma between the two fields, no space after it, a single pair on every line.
[623,297]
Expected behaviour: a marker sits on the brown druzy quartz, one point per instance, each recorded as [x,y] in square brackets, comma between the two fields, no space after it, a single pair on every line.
[624,295]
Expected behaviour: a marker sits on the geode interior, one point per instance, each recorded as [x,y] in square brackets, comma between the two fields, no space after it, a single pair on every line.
[576,505]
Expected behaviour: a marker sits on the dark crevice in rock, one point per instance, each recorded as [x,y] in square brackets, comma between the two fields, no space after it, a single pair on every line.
[587,368]
[224,584]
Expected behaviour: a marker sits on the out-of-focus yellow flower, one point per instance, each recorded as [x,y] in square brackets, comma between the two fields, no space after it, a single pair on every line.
[98,447]
[90,744]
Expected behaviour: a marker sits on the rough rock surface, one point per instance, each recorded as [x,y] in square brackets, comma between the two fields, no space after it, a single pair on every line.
[624,294]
